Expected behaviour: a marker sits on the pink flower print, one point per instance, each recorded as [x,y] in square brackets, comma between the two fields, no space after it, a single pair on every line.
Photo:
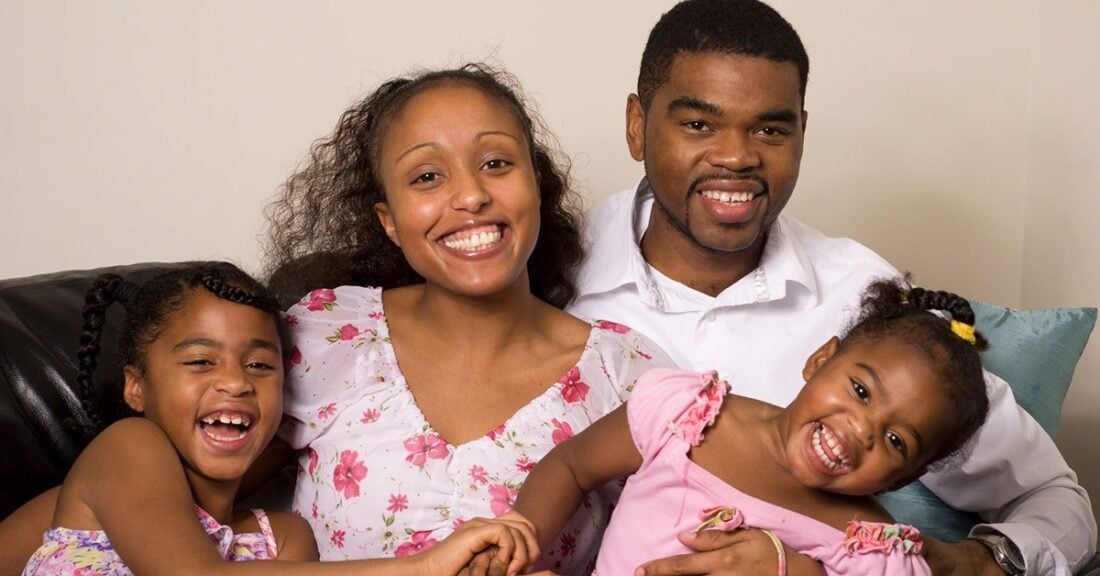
[502,498]
[348,473]
[496,432]
[525,465]
[375,314]
[572,389]
[338,538]
[370,415]
[327,411]
[418,542]
[321,299]
[314,510]
[292,358]
[290,320]
[568,544]
[612,326]
[312,461]
[478,474]
[424,446]
[562,431]
[398,502]
[348,331]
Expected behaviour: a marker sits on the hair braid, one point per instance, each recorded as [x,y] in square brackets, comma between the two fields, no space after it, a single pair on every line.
[101,295]
[217,285]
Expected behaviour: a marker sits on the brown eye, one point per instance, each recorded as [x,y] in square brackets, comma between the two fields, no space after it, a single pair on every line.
[897,442]
[860,390]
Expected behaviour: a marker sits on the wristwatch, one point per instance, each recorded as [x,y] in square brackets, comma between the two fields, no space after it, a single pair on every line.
[1005,553]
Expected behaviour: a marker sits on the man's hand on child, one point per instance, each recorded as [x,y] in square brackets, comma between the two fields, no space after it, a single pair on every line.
[510,545]
[738,553]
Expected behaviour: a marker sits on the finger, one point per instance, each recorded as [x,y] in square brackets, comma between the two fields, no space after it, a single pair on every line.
[708,540]
[521,557]
[479,566]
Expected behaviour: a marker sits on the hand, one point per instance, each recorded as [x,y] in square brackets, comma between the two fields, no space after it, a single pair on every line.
[507,546]
[742,552]
[962,558]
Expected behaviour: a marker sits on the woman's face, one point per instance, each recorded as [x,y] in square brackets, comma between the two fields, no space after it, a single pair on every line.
[462,200]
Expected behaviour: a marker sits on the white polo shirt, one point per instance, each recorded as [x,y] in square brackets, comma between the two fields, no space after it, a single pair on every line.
[759,332]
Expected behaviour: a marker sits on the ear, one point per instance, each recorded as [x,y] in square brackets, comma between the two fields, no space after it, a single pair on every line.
[635,127]
[133,388]
[382,211]
[805,117]
[819,357]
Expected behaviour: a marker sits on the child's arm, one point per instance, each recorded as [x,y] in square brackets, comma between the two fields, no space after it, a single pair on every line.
[22,531]
[130,481]
[555,488]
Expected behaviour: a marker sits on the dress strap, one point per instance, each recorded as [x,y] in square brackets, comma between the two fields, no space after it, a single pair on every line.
[265,529]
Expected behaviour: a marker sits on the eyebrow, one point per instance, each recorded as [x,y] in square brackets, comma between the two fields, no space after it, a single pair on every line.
[211,343]
[692,103]
[434,144]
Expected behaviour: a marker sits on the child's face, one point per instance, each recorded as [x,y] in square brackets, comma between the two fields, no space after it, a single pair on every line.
[213,382]
[869,418]
[462,199]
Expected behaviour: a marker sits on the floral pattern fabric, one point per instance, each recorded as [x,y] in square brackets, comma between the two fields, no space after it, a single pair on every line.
[90,553]
[668,413]
[376,480]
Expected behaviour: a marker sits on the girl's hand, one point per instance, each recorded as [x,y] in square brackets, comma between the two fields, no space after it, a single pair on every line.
[510,546]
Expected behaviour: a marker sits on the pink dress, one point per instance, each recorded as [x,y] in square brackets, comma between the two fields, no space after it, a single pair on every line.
[376,480]
[668,413]
[90,553]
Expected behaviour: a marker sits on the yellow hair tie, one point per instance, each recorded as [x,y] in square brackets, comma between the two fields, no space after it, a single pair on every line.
[964,331]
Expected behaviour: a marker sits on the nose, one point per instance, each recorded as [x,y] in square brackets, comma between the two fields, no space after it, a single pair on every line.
[735,151]
[233,380]
[863,429]
[470,192]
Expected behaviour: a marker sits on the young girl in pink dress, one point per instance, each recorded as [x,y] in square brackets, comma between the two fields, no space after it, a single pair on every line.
[903,389]
[202,348]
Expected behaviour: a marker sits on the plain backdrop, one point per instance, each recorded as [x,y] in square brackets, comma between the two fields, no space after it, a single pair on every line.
[955,138]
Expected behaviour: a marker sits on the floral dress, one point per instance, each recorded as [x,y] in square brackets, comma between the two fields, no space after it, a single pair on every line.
[90,553]
[667,414]
[375,479]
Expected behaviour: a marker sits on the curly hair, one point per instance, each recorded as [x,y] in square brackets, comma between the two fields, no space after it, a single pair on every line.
[891,309]
[737,27]
[148,308]
[323,229]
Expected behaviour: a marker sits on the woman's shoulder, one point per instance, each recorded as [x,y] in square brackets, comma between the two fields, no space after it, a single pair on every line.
[322,302]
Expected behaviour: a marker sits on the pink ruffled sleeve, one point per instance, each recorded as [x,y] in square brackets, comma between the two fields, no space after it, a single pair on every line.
[334,351]
[877,548]
[673,403]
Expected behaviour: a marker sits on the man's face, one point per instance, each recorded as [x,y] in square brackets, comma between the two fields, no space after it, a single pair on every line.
[721,141]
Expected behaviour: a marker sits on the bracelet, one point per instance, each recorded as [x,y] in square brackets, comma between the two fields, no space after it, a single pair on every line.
[781,568]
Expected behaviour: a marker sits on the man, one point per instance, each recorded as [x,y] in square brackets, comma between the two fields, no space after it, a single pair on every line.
[698,257]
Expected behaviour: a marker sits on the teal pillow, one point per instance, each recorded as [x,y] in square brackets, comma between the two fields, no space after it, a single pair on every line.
[1036,352]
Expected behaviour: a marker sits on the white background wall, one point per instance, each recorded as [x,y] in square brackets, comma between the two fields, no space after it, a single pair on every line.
[955,138]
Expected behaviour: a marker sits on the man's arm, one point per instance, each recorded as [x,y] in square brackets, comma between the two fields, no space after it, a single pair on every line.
[1017,480]
[22,531]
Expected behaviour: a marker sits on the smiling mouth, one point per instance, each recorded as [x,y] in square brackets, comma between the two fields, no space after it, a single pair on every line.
[474,239]
[225,426]
[728,197]
[828,449]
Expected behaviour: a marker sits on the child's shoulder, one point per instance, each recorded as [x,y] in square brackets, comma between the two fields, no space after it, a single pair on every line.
[293,536]
[844,509]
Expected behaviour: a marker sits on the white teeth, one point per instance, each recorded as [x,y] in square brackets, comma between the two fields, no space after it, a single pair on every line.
[728,197]
[834,456]
[475,241]
[223,418]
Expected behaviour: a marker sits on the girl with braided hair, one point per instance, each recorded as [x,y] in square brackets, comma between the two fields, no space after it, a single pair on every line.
[202,352]
[901,391]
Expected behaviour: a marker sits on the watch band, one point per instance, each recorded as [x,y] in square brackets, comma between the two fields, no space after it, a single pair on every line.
[1005,553]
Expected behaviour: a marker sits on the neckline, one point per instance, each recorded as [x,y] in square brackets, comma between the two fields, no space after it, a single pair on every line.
[399,380]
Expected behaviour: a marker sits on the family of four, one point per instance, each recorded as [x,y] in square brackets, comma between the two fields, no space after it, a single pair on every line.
[470,376]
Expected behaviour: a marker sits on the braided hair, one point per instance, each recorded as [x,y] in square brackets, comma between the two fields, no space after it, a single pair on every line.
[892,309]
[148,308]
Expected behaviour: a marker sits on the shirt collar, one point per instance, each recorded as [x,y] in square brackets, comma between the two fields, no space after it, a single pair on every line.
[615,256]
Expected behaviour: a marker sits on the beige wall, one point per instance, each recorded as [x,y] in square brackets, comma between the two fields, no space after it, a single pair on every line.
[956,138]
